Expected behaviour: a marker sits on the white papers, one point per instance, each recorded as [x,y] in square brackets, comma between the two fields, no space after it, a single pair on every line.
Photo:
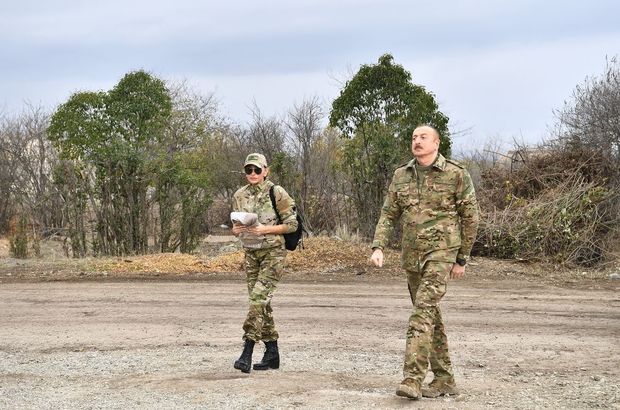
[248,219]
[244,218]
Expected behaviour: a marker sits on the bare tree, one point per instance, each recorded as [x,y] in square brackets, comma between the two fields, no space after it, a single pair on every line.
[266,134]
[329,199]
[8,176]
[183,187]
[304,123]
[592,116]
[28,160]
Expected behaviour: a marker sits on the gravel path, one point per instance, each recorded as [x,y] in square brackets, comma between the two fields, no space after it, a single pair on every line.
[171,345]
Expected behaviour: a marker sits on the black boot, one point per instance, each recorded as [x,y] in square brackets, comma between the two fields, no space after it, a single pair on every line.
[271,358]
[244,363]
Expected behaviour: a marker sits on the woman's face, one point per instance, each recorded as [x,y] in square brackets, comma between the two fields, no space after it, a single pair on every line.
[255,175]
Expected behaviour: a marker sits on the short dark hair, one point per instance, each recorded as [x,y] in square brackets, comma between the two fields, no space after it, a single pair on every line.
[429,126]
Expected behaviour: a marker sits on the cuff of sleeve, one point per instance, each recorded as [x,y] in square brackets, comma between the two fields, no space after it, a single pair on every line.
[376,245]
[461,256]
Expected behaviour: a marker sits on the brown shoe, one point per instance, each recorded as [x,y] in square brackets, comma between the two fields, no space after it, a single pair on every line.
[440,388]
[409,388]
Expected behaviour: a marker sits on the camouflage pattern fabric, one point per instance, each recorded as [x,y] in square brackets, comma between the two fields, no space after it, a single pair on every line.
[426,336]
[439,214]
[440,217]
[263,268]
[255,199]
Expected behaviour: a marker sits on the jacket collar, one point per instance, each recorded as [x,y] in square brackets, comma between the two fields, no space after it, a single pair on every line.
[260,187]
[439,163]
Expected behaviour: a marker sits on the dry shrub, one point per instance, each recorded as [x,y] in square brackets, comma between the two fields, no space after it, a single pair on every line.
[555,207]
[24,237]
[218,213]
[543,169]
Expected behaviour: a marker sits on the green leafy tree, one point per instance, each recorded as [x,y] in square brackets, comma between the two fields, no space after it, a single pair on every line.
[376,112]
[111,134]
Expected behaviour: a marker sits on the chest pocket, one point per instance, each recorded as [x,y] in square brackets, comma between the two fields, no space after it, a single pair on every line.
[404,196]
[441,195]
[264,209]
[260,204]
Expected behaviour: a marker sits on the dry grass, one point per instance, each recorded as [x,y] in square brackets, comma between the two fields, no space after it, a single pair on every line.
[4,248]
[320,254]
[322,257]
[157,263]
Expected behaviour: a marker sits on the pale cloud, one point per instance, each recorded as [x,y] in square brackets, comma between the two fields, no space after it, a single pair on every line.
[497,68]
[512,91]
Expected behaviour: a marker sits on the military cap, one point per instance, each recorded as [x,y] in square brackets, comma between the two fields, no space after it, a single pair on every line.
[256,159]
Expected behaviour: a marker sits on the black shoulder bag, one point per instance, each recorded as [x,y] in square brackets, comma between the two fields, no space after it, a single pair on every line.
[291,240]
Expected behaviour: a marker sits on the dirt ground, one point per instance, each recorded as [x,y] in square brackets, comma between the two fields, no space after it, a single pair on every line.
[520,338]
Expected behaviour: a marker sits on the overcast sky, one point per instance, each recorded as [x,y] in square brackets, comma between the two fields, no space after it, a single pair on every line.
[497,68]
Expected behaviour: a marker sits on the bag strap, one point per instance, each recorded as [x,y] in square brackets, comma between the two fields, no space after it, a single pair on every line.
[272,196]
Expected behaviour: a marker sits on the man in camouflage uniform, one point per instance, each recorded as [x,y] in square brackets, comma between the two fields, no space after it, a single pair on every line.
[435,199]
[264,259]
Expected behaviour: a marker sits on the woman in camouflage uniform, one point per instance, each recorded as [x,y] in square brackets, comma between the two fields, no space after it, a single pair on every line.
[264,258]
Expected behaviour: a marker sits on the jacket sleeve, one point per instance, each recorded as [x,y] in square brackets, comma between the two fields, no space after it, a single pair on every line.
[236,205]
[467,208]
[286,208]
[390,212]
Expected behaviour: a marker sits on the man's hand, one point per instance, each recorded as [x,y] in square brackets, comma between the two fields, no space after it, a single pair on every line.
[377,258]
[457,271]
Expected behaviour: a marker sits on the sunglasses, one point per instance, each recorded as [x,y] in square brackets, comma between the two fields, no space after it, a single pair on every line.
[249,169]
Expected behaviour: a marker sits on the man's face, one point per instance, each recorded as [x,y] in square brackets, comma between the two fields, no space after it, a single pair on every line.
[424,142]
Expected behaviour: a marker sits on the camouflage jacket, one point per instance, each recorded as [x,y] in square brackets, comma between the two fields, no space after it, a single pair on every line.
[255,198]
[439,215]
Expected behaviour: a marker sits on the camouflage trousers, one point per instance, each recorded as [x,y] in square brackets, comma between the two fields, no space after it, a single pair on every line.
[263,268]
[426,336]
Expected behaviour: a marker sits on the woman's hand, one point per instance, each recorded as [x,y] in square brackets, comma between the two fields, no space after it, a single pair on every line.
[260,229]
[238,228]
